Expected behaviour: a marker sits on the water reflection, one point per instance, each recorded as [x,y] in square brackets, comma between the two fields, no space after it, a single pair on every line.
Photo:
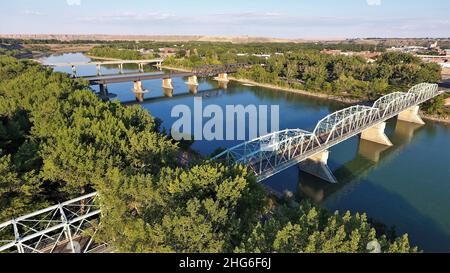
[370,156]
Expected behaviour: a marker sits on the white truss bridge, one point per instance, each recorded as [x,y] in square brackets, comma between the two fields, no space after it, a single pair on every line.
[69,227]
[72,226]
[276,152]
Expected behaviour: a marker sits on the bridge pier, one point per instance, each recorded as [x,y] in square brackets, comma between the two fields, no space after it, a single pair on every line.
[192,80]
[193,89]
[317,166]
[74,71]
[167,83]
[223,85]
[192,84]
[222,77]
[168,92]
[159,65]
[139,91]
[99,70]
[104,93]
[141,67]
[121,68]
[411,115]
[376,134]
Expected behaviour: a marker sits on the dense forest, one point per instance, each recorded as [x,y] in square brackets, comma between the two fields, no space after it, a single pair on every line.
[343,76]
[59,140]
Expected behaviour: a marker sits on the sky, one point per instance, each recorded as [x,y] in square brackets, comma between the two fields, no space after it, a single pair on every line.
[294,19]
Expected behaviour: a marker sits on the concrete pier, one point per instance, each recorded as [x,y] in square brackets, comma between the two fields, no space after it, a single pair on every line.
[222,77]
[99,70]
[74,71]
[167,84]
[376,134]
[192,81]
[317,166]
[223,85]
[411,115]
[168,92]
[104,90]
[193,89]
[139,91]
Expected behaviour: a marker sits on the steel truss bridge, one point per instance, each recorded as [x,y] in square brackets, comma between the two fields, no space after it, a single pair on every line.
[69,227]
[72,226]
[276,152]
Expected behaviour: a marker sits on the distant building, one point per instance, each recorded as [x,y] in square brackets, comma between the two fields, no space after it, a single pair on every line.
[331,52]
[408,49]
[167,52]
[264,56]
[368,55]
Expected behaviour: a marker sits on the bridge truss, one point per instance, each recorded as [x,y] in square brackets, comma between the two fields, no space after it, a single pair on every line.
[271,154]
[69,227]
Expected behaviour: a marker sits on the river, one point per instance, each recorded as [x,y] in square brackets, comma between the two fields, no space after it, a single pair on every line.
[406,186]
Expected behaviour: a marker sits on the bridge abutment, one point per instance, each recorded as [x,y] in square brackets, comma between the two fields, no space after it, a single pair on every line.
[411,115]
[317,166]
[376,134]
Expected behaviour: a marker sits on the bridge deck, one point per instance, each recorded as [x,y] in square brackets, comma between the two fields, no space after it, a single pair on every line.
[107,63]
[106,79]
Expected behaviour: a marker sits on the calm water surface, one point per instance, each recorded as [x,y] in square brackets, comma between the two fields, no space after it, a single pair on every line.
[406,186]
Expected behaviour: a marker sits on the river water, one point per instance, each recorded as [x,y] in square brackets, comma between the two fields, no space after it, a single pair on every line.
[406,186]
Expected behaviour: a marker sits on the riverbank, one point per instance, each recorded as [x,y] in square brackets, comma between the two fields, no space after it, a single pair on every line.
[278,88]
[445,120]
[299,91]
[344,100]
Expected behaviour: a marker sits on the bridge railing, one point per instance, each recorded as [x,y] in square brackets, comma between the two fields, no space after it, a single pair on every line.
[67,227]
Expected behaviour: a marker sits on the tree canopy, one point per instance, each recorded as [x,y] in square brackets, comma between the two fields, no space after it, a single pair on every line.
[59,140]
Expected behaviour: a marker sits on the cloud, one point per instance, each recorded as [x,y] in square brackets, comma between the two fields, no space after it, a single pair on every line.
[73,2]
[374,2]
[264,24]
[32,12]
